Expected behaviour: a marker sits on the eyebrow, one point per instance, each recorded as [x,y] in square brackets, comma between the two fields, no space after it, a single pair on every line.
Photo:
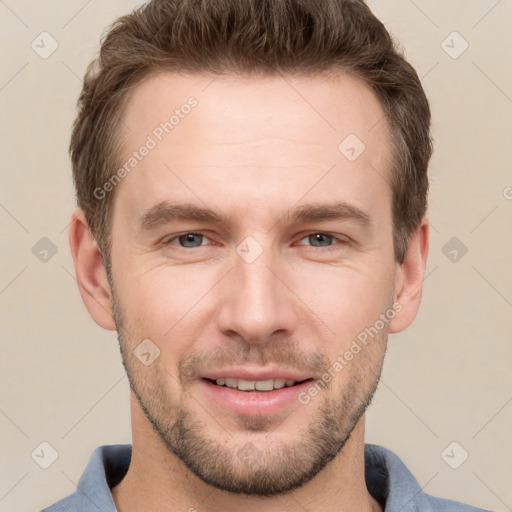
[165,213]
[326,212]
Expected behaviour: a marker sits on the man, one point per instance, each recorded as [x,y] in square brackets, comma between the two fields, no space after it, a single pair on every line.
[252,184]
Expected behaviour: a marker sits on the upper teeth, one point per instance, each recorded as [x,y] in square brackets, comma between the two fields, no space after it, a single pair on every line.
[260,385]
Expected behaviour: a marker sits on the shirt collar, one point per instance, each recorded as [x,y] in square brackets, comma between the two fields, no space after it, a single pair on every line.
[387,478]
[390,482]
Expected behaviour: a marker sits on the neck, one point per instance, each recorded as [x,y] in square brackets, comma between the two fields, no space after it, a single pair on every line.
[158,480]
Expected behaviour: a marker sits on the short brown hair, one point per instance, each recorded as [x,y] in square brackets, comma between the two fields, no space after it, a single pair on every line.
[249,37]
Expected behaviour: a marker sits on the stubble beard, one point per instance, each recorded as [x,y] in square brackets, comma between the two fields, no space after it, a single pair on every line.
[260,462]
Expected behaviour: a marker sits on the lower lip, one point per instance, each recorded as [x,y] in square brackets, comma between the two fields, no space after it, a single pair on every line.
[253,403]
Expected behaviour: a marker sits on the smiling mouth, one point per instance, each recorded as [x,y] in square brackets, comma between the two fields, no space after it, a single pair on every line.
[255,385]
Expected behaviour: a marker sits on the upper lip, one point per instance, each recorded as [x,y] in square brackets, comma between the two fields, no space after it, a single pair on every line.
[255,374]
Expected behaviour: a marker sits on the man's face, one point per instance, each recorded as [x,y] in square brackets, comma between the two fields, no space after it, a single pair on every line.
[248,248]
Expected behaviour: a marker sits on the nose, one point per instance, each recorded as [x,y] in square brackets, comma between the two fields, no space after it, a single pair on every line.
[257,302]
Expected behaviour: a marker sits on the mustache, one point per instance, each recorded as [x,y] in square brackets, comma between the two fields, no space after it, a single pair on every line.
[282,356]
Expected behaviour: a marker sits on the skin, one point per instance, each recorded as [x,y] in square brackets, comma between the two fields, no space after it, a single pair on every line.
[252,150]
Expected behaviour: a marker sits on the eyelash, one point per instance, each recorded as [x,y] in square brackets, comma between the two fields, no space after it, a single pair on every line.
[336,240]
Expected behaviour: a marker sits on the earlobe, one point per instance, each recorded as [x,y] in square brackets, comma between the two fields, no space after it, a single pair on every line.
[410,277]
[90,272]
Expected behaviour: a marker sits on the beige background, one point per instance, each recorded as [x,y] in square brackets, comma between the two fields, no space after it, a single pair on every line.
[448,378]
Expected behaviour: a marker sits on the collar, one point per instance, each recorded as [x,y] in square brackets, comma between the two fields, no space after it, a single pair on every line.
[387,478]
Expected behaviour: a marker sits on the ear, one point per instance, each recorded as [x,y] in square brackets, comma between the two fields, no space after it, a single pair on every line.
[90,272]
[409,278]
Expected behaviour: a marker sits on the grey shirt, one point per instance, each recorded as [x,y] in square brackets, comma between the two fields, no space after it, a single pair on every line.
[387,478]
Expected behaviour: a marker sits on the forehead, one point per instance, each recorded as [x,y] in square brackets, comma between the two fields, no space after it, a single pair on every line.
[270,133]
[332,105]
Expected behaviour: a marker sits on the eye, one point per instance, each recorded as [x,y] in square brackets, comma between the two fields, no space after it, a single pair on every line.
[188,240]
[319,240]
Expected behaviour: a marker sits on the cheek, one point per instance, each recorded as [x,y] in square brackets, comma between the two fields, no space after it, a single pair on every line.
[164,302]
[347,300]
[175,304]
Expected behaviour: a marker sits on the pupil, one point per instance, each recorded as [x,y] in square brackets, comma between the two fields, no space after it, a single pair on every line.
[320,239]
[191,240]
